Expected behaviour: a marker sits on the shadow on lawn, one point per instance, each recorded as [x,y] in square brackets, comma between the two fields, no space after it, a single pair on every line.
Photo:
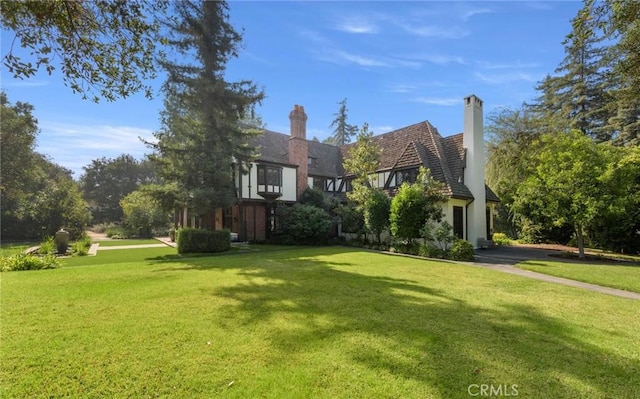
[408,329]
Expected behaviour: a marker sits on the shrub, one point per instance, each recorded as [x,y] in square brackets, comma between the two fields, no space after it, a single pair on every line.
[462,250]
[501,239]
[201,240]
[48,246]
[406,247]
[431,251]
[28,262]
[81,247]
[117,232]
[305,224]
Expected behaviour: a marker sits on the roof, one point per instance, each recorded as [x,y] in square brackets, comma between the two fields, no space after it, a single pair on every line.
[408,147]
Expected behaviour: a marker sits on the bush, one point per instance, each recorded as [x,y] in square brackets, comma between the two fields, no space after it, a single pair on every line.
[28,262]
[48,246]
[305,224]
[117,232]
[200,240]
[501,239]
[81,247]
[431,251]
[406,247]
[462,250]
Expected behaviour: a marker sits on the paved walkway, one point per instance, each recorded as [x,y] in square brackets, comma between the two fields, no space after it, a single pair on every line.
[504,259]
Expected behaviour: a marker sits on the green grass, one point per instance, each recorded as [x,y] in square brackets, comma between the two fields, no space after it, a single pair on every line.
[114,243]
[12,248]
[625,277]
[314,322]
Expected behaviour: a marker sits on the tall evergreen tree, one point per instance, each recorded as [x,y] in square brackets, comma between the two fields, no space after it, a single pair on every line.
[580,91]
[342,130]
[200,139]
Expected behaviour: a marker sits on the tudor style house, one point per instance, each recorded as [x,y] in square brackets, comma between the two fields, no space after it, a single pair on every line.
[288,164]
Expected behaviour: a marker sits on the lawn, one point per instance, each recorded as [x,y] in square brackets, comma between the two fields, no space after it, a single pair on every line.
[625,277]
[114,243]
[12,248]
[315,322]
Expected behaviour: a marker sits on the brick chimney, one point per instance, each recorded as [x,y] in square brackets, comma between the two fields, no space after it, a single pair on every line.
[298,150]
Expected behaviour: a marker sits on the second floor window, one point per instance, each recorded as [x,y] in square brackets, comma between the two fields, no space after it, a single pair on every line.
[269,179]
[407,175]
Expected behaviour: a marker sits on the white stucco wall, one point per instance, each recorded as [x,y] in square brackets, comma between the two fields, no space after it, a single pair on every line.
[249,189]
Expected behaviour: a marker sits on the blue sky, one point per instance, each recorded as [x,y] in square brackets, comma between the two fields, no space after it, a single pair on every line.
[397,63]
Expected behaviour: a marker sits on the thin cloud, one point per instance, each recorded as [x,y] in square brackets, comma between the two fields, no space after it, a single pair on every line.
[441,101]
[357,25]
[439,59]
[453,32]
[402,88]
[470,13]
[382,129]
[505,77]
[507,65]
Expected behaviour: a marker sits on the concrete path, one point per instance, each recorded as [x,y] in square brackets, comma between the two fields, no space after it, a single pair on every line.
[504,259]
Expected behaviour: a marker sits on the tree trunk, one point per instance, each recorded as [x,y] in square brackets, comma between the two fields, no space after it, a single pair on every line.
[580,237]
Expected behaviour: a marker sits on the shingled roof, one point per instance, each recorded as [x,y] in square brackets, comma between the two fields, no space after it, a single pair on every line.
[408,147]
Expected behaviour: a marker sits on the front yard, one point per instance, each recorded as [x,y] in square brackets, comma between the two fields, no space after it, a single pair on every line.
[314,322]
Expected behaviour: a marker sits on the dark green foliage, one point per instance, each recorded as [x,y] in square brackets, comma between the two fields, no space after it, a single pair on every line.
[107,181]
[431,251]
[305,224]
[407,212]
[314,197]
[104,48]
[376,212]
[21,262]
[342,131]
[143,214]
[38,197]
[462,250]
[190,240]
[201,143]
[351,219]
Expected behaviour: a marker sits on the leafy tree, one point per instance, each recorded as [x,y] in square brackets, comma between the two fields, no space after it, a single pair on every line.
[106,182]
[105,48]
[415,205]
[38,197]
[407,212]
[376,212]
[342,131]
[565,185]
[314,197]
[362,161]
[143,213]
[200,139]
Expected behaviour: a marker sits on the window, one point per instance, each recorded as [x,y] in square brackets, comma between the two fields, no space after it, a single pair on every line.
[320,183]
[407,175]
[458,225]
[269,179]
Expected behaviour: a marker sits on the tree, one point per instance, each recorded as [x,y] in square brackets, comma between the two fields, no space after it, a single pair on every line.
[38,197]
[376,212]
[415,205]
[143,213]
[362,162]
[105,48]
[106,182]
[580,92]
[565,184]
[342,131]
[200,140]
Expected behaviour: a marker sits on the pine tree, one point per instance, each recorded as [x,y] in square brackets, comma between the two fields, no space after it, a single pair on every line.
[580,92]
[200,139]
[342,131]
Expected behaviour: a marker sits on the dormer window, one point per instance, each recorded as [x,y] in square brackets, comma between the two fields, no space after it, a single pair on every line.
[311,161]
[407,175]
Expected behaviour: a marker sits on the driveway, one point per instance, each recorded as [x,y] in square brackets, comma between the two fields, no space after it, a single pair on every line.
[503,259]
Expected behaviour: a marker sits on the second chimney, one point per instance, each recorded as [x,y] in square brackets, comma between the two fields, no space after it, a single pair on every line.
[298,149]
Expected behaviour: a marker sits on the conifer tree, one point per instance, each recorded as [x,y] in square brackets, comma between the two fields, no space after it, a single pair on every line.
[342,130]
[201,140]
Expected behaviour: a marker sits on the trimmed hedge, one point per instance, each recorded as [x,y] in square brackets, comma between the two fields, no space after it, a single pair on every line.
[191,240]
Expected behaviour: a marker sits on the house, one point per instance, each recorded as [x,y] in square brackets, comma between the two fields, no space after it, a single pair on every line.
[288,164]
